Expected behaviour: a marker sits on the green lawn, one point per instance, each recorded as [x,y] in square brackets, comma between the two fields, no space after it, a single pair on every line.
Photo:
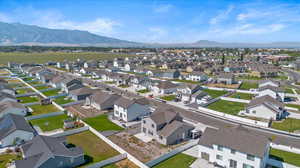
[144,91]
[249,78]
[288,157]
[102,123]
[94,148]
[289,124]
[245,96]
[288,90]
[179,160]
[29,99]
[6,158]
[215,93]
[228,107]
[43,109]
[63,100]
[51,92]
[294,106]
[50,123]
[23,91]
[42,87]
[35,82]
[123,86]
[27,79]
[248,85]
[186,81]
[168,97]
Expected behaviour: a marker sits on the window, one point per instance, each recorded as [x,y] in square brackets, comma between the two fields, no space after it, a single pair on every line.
[232,163]
[250,157]
[232,151]
[144,121]
[219,157]
[152,125]
[247,166]
[220,148]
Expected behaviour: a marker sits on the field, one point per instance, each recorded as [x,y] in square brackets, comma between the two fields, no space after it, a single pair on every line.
[180,159]
[94,148]
[43,109]
[248,85]
[289,124]
[102,123]
[288,157]
[245,96]
[215,93]
[28,99]
[50,123]
[6,158]
[227,107]
[22,57]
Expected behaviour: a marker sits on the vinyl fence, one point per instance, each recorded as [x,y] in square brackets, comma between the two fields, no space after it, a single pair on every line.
[108,161]
[44,115]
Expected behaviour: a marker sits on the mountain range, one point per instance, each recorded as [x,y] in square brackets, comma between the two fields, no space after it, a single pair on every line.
[21,34]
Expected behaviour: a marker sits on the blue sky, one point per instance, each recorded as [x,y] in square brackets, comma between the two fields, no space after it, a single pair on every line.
[164,21]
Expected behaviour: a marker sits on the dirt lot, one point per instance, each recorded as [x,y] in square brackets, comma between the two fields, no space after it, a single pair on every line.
[141,150]
[125,163]
[83,112]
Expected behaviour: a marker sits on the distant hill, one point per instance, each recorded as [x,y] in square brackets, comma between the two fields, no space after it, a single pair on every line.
[21,34]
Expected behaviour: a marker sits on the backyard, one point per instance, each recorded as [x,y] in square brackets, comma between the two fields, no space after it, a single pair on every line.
[143,91]
[50,123]
[180,159]
[51,92]
[244,96]
[227,107]
[63,100]
[6,158]
[28,99]
[24,91]
[215,93]
[248,85]
[42,87]
[94,148]
[43,109]
[102,123]
[169,97]
[288,157]
[122,164]
[294,106]
[288,124]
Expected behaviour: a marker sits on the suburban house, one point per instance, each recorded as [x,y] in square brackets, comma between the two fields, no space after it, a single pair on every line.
[81,93]
[235,147]
[131,109]
[166,127]
[56,81]
[185,91]
[7,89]
[265,107]
[197,76]
[275,92]
[7,97]
[12,107]
[102,100]
[273,83]
[200,97]
[69,84]
[226,78]
[140,82]
[14,130]
[46,151]
[165,87]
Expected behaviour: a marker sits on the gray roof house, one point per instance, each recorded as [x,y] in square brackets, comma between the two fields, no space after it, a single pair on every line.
[81,93]
[7,97]
[44,151]
[14,130]
[234,147]
[165,87]
[7,89]
[226,78]
[11,107]
[102,100]
[166,126]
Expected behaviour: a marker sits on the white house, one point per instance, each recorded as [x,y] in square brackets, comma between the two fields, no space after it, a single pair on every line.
[185,91]
[265,107]
[165,87]
[275,92]
[268,82]
[14,130]
[197,76]
[128,109]
[234,147]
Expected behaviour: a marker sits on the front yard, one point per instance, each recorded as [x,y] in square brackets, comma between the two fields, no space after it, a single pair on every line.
[94,148]
[215,93]
[288,157]
[248,85]
[63,100]
[102,123]
[244,96]
[50,123]
[227,107]
[289,124]
[180,159]
[168,97]
[28,99]
[43,109]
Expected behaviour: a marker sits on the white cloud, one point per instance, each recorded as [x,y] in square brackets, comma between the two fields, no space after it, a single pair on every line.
[163,8]
[223,15]
[4,18]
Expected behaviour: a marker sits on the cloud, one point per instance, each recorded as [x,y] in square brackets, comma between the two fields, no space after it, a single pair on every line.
[222,15]
[163,8]
[4,18]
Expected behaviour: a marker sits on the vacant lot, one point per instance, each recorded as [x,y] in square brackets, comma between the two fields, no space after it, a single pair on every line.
[288,157]
[102,123]
[43,109]
[94,148]
[122,164]
[248,85]
[215,93]
[50,123]
[180,159]
[227,107]
[289,124]
[21,57]
[245,96]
